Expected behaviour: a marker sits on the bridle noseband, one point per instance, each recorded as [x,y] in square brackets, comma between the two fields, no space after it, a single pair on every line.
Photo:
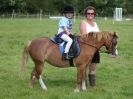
[111,49]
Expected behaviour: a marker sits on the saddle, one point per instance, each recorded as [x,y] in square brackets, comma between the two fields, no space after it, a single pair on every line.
[74,50]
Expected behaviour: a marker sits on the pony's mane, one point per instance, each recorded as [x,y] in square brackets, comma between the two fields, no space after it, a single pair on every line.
[97,35]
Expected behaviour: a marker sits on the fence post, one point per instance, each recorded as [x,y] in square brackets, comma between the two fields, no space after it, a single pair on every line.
[12,14]
[40,14]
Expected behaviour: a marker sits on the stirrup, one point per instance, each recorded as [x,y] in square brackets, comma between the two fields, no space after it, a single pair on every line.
[65,56]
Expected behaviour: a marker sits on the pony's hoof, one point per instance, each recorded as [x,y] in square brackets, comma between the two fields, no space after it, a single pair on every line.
[44,89]
[76,90]
[30,86]
[83,89]
[113,56]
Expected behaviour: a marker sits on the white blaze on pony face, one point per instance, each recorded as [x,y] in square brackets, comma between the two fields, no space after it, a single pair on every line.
[116,53]
[113,46]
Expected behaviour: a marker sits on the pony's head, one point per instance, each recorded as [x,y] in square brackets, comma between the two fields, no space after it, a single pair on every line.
[108,39]
[111,43]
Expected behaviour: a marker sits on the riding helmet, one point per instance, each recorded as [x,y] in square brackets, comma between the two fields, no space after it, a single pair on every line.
[68,9]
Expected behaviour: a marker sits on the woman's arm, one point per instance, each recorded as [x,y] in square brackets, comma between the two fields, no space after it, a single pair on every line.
[82,27]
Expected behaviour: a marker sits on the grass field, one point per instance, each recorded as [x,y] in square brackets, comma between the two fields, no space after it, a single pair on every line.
[114,76]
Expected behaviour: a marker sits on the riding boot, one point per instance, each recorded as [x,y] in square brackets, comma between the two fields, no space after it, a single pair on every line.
[92,79]
[65,56]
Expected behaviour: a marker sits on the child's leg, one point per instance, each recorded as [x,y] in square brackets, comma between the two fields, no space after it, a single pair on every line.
[69,41]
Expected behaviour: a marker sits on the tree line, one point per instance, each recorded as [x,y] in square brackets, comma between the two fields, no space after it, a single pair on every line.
[103,7]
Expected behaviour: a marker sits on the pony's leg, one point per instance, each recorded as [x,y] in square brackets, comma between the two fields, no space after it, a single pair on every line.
[79,79]
[36,73]
[91,74]
[42,83]
[39,68]
[83,79]
[33,78]
[78,83]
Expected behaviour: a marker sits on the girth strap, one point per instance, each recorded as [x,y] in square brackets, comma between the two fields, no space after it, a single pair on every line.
[71,62]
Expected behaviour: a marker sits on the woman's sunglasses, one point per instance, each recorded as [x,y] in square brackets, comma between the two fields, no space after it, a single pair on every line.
[89,13]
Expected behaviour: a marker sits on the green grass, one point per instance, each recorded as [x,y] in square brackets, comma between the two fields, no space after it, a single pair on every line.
[114,76]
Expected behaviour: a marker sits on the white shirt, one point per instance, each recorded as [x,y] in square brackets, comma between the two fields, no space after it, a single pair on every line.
[64,22]
[90,28]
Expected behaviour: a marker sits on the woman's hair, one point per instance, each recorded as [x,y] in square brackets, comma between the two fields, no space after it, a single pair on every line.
[89,8]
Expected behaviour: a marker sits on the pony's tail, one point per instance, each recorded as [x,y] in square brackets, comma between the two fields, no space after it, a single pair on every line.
[24,59]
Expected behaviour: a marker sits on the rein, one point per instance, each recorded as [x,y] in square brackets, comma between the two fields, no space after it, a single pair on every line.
[89,45]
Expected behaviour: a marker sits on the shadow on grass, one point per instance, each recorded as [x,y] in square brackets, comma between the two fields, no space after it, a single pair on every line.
[61,82]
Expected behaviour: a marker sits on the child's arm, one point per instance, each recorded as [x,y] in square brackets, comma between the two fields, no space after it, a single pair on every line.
[66,30]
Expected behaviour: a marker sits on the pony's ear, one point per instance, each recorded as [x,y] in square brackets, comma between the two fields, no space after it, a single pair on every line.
[115,34]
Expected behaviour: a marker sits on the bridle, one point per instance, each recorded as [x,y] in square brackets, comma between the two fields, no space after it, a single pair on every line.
[111,49]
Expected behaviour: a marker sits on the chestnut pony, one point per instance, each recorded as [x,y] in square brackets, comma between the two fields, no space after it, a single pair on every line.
[43,50]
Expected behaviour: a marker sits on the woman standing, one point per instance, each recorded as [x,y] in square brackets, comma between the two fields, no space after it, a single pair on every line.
[89,25]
